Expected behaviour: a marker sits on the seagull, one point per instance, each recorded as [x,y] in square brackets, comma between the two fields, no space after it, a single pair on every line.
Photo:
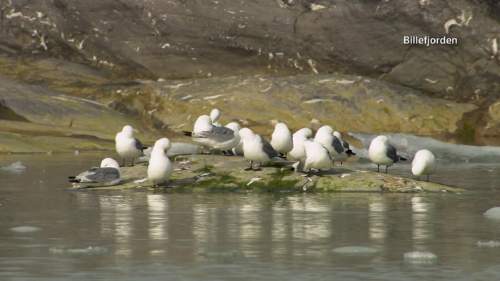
[325,137]
[235,126]
[281,139]
[160,167]
[256,149]
[128,147]
[317,156]
[347,148]
[107,174]
[423,163]
[214,116]
[298,152]
[381,152]
[216,137]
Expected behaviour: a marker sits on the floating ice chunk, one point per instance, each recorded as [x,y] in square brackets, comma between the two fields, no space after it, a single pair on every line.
[16,168]
[488,244]
[90,250]
[25,229]
[493,213]
[418,257]
[356,250]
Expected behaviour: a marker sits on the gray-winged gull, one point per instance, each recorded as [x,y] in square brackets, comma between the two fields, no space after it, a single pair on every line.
[107,174]
[381,152]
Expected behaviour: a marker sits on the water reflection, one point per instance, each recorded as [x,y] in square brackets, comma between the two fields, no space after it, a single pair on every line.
[258,226]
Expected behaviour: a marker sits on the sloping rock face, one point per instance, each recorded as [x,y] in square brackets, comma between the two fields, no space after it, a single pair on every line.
[105,50]
[185,39]
[36,119]
[348,103]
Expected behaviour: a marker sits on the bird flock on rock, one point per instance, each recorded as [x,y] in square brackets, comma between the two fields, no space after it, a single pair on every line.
[309,153]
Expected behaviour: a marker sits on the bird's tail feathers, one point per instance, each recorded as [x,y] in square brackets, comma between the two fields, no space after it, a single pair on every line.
[350,153]
[188,134]
[74,180]
[401,158]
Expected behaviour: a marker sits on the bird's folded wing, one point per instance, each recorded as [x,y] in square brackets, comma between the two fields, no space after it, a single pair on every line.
[219,134]
[337,145]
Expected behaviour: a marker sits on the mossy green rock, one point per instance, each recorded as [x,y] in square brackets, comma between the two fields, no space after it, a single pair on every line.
[212,173]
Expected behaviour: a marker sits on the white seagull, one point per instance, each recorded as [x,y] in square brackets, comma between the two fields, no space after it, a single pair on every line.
[256,149]
[347,148]
[160,167]
[325,137]
[281,139]
[207,134]
[381,152]
[298,152]
[317,156]
[128,147]
[214,116]
[235,126]
[107,174]
[423,163]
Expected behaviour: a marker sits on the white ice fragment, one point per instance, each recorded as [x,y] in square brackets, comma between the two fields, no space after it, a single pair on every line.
[355,250]
[16,168]
[493,213]
[25,229]
[90,250]
[420,257]
[488,244]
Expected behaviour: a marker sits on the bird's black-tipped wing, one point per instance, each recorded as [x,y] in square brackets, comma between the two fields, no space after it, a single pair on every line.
[345,144]
[337,145]
[269,150]
[391,153]
[139,145]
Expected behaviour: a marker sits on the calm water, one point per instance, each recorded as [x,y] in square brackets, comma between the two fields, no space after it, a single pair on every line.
[49,233]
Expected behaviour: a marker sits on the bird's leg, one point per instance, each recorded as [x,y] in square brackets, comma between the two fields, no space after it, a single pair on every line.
[341,163]
[133,160]
[251,166]
[428,177]
[386,168]
[258,168]
[378,168]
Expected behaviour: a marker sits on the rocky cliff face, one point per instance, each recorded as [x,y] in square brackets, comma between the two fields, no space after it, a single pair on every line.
[97,44]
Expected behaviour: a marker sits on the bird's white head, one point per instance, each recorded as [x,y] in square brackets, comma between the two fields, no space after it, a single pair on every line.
[109,163]
[337,135]
[281,126]
[325,129]
[128,131]
[203,123]
[235,126]
[162,144]
[215,115]
[306,132]
[381,138]
[246,133]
